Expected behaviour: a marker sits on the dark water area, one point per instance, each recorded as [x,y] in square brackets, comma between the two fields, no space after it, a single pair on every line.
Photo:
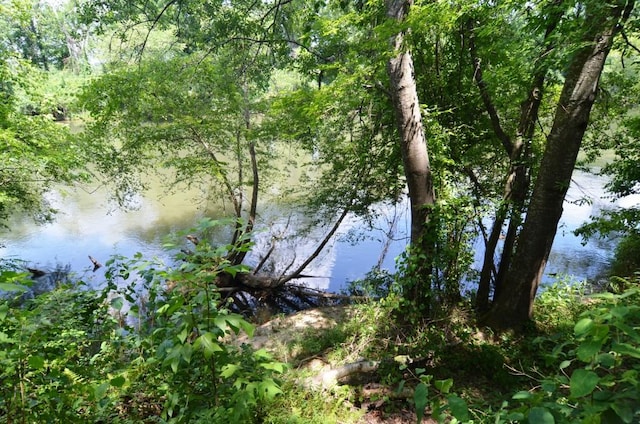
[88,224]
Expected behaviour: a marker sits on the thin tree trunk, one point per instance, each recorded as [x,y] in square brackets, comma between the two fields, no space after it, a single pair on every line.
[514,306]
[245,231]
[413,145]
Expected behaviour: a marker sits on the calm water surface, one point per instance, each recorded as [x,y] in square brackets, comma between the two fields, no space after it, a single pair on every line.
[88,224]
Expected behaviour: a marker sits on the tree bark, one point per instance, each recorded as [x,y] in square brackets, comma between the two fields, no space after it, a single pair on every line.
[518,178]
[513,307]
[413,144]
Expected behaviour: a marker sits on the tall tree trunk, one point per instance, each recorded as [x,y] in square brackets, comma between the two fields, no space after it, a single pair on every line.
[514,305]
[413,145]
[518,178]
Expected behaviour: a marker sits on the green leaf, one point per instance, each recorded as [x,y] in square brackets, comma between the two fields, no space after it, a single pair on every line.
[36,362]
[624,411]
[207,343]
[4,338]
[600,332]
[118,381]
[269,388]
[626,349]
[522,395]
[420,400]
[540,415]
[564,364]
[117,303]
[443,385]
[278,367]
[182,335]
[100,391]
[9,287]
[583,326]
[4,310]
[619,311]
[228,370]
[236,322]
[607,360]
[583,382]
[459,408]
[548,387]
[588,349]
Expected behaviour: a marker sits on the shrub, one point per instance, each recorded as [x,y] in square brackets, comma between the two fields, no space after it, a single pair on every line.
[598,372]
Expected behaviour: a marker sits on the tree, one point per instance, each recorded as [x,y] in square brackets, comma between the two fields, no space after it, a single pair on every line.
[519,150]
[207,123]
[35,152]
[415,155]
[38,33]
[514,304]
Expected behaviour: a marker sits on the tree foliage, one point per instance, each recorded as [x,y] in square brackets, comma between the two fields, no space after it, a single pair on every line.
[35,152]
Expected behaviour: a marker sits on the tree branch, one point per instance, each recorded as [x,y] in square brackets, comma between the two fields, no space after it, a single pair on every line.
[484,93]
[321,246]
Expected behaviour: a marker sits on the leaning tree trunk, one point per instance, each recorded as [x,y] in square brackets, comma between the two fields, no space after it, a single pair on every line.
[415,155]
[514,305]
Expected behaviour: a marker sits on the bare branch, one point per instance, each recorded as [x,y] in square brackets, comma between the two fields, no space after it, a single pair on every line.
[237,206]
[628,42]
[484,94]
[154,22]
[321,246]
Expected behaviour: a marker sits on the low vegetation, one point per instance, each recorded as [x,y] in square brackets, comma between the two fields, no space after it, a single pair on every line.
[157,344]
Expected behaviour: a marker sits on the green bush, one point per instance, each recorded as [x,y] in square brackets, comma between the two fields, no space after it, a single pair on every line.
[136,351]
[50,347]
[627,256]
[598,369]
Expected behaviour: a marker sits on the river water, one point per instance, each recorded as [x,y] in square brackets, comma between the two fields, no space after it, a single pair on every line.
[88,224]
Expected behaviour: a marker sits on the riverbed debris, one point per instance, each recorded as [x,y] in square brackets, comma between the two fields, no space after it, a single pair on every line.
[96,265]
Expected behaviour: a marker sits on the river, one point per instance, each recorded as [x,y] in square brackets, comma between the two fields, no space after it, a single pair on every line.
[89,224]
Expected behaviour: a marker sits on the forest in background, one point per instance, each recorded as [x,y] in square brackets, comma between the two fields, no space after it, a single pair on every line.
[474,110]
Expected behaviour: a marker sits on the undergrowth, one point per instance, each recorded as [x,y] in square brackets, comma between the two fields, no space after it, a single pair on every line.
[144,350]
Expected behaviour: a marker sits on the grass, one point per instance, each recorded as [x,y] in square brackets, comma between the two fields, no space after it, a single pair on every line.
[485,368]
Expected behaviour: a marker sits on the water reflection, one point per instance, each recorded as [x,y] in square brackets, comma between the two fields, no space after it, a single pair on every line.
[88,224]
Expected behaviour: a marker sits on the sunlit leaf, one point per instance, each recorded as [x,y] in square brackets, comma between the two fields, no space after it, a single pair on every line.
[207,342]
[10,287]
[228,370]
[270,388]
[274,366]
[583,326]
[443,386]
[522,395]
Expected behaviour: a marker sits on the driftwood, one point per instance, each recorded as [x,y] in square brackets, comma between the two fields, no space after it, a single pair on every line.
[96,264]
[329,378]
